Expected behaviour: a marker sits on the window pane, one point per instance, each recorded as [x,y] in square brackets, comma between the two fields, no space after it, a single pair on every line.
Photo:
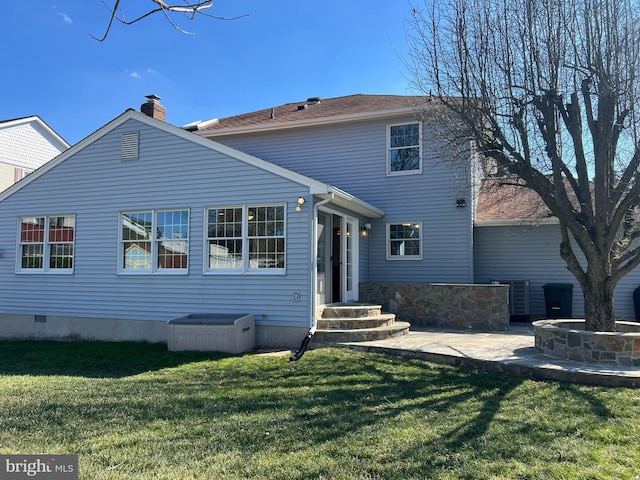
[225,254]
[137,256]
[404,145]
[404,240]
[173,254]
[266,233]
[136,226]
[32,256]
[266,253]
[225,238]
[61,255]
[405,159]
[61,229]
[405,135]
[32,229]
[172,232]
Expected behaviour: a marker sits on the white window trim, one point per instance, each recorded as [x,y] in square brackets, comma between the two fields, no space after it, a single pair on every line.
[403,258]
[404,172]
[46,251]
[245,268]
[154,270]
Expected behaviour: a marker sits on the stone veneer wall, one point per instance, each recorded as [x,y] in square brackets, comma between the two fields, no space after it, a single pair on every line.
[567,339]
[468,307]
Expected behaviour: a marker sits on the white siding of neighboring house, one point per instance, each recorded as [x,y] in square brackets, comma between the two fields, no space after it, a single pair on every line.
[533,253]
[27,145]
[353,157]
[171,172]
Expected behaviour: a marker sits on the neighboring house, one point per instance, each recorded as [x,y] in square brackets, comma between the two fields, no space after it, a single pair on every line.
[26,144]
[272,213]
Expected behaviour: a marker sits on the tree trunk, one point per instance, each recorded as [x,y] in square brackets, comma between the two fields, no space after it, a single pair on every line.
[598,303]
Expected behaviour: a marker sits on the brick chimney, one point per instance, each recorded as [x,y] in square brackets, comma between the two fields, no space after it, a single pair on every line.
[153,108]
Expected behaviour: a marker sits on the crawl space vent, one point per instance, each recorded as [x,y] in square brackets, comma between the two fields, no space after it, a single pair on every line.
[129,146]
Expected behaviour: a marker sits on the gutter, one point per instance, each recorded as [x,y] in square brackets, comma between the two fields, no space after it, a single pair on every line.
[314,282]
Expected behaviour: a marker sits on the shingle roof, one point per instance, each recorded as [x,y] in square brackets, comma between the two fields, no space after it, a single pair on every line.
[501,200]
[319,108]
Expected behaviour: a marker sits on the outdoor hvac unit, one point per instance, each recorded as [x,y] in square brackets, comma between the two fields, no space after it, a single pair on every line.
[519,305]
[231,333]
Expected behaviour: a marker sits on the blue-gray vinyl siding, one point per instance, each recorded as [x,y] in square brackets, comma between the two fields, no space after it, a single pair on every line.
[171,172]
[353,157]
[533,253]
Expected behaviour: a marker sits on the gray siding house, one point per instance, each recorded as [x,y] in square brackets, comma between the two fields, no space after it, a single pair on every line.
[273,213]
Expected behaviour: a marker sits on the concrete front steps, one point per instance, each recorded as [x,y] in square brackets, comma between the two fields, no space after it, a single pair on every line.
[356,322]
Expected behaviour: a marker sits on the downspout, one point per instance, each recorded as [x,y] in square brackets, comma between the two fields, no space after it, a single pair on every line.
[314,282]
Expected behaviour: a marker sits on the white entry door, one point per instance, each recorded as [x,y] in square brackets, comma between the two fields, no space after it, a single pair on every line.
[351,241]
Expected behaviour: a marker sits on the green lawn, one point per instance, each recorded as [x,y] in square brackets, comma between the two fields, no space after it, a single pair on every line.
[135,411]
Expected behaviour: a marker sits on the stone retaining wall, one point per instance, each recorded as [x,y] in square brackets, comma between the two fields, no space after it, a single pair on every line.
[567,339]
[464,307]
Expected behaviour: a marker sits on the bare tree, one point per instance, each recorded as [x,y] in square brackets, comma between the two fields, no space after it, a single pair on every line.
[188,9]
[548,89]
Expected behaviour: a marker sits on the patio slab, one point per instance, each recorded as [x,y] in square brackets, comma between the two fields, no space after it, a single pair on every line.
[511,352]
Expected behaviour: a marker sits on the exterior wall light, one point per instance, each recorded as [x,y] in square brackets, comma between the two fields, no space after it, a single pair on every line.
[300,203]
[364,230]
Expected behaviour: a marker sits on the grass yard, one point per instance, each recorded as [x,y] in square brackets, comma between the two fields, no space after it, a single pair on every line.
[136,411]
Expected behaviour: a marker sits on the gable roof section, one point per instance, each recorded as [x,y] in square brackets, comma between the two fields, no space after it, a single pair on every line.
[323,190]
[315,111]
[28,142]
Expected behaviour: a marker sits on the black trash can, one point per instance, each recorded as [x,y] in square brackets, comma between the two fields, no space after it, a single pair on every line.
[636,302]
[558,298]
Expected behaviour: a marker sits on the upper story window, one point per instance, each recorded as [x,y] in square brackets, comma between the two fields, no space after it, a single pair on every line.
[46,244]
[154,241]
[248,238]
[404,241]
[404,154]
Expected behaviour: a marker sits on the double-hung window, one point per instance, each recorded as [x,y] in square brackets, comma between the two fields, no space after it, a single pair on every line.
[46,244]
[249,238]
[403,241]
[154,241]
[404,149]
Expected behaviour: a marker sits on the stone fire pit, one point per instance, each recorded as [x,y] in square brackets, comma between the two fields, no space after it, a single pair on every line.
[567,339]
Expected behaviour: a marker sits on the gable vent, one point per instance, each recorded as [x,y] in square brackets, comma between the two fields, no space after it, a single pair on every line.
[129,146]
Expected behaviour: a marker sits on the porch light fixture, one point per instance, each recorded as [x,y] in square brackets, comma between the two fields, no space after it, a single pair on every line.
[364,230]
[300,203]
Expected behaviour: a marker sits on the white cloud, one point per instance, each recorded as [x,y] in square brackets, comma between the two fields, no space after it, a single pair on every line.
[66,18]
[135,75]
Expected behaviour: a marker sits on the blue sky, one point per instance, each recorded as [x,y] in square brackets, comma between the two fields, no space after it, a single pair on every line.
[283,51]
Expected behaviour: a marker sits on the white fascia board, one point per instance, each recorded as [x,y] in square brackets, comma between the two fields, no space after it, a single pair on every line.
[311,122]
[349,202]
[517,222]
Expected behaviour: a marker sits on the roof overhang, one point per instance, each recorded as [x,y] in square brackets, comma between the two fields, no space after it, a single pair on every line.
[335,119]
[346,201]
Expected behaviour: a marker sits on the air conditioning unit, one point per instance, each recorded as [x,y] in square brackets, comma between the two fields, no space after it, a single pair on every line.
[519,303]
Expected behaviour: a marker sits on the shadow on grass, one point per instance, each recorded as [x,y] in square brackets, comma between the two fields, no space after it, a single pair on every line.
[91,359]
[392,417]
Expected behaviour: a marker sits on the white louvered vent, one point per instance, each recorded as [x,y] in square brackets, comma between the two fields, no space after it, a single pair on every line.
[129,146]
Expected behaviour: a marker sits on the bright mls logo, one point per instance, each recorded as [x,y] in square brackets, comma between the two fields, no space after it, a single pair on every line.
[50,467]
